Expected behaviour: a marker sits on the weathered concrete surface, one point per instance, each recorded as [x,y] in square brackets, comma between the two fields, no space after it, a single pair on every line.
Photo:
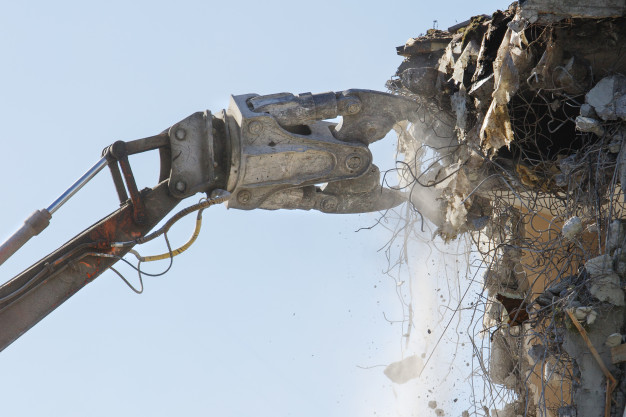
[591,394]
[588,124]
[550,11]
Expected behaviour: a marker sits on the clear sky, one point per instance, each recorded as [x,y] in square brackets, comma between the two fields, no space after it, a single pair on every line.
[270,313]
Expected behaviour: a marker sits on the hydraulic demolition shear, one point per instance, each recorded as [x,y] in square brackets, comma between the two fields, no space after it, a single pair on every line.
[268,152]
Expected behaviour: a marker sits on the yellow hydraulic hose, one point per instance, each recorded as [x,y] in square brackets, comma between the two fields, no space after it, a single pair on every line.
[175,252]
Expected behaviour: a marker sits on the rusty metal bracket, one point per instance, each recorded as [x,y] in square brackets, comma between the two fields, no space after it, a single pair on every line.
[118,152]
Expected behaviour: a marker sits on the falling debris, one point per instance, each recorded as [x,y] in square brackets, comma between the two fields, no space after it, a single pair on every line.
[519,146]
[405,370]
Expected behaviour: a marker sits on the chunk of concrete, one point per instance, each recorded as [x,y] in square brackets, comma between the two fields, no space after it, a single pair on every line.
[587,124]
[614,339]
[567,165]
[459,107]
[600,265]
[615,146]
[608,97]
[501,362]
[421,81]
[607,288]
[481,91]
[432,404]
[572,227]
[467,59]
[585,314]
[586,110]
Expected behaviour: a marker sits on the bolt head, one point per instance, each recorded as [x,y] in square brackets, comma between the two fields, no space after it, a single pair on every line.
[180,134]
[255,127]
[244,196]
[354,108]
[181,186]
[353,162]
[329,204]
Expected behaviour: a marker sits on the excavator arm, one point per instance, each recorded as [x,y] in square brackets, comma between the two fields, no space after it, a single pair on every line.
[267,152]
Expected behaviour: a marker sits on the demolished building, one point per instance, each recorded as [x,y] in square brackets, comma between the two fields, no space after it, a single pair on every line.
[520,141]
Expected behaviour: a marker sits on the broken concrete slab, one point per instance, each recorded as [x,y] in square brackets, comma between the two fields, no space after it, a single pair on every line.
[551,11]
[434,40]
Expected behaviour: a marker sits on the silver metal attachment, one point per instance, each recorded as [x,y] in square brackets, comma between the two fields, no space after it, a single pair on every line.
[80,183]
[274,158]
[281,147]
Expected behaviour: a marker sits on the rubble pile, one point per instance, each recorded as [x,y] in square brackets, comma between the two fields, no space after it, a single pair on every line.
[520,141]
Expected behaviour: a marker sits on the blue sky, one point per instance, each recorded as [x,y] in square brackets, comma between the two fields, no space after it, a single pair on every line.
[269,313]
